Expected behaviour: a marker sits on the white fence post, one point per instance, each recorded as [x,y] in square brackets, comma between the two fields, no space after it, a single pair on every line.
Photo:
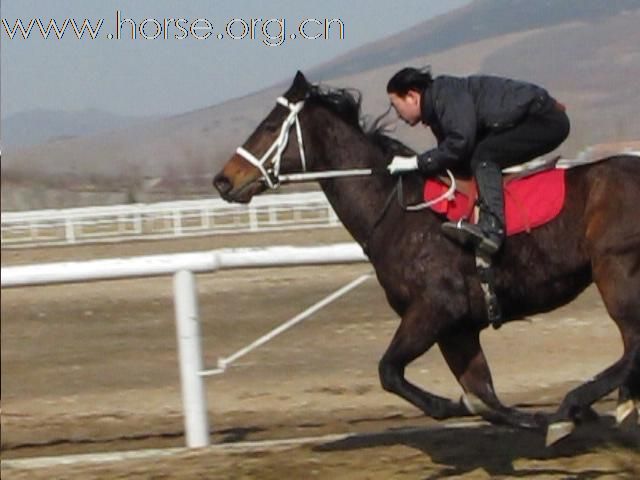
[137,223]
[253,219]
[177,223]
[273,217]
[333,218]
[196,421]
[205,224]
[69,230]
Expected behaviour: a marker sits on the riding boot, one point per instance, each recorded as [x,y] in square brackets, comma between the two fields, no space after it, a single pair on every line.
[488,235]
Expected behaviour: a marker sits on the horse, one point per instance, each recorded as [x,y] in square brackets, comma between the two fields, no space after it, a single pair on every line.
[431,282]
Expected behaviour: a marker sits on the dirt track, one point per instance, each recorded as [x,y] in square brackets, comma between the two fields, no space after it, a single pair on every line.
[91,368]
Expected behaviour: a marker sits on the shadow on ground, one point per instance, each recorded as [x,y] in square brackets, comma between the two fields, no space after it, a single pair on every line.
[514,453]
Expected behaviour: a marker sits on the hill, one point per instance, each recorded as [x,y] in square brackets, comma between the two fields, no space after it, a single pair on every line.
[40,126]
[478,21]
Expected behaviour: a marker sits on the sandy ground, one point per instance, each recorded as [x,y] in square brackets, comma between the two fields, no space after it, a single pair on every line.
[92,368]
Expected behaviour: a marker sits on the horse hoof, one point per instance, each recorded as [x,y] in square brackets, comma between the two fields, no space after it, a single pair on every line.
[557,431]
[627,413]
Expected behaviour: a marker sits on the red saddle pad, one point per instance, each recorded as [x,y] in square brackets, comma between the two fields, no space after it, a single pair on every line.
[529,202]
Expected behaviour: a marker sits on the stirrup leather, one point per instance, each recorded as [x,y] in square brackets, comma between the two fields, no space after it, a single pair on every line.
[487,283]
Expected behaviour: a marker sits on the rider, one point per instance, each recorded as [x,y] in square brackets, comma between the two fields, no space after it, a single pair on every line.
[483,122]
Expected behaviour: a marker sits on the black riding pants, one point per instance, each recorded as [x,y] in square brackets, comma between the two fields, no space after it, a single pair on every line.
[542,130]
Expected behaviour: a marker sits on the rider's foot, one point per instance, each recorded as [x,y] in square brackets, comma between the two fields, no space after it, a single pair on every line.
[488,240]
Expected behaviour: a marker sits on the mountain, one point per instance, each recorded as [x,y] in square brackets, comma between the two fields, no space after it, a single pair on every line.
[584,51]
[40,126]
[477,21]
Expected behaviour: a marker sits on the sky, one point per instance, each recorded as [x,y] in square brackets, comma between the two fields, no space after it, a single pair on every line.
[221,51]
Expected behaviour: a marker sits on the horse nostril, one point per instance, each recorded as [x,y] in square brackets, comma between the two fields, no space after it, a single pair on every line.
[222,184]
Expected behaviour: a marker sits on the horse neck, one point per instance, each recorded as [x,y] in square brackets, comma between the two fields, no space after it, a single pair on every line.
[358,201]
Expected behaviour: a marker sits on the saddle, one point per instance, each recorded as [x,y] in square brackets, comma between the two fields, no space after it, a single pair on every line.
[534,191]
[467,192]
[467,184]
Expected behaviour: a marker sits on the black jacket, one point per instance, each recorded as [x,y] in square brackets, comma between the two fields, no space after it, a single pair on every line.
[462,110]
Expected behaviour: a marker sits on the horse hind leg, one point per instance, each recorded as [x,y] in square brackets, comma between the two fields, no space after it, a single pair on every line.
[613,240]
[628,409]
[580,399]
[618,279]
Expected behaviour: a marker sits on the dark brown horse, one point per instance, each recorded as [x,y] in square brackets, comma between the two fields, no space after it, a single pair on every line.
[431,282]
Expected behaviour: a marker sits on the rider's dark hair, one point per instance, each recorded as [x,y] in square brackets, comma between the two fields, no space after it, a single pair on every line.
[410,78]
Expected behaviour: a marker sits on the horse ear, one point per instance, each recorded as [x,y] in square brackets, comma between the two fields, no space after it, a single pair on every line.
[299,87]
[300,80]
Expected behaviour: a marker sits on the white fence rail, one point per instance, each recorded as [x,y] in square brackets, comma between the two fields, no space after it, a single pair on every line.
[166,220]
[183,266]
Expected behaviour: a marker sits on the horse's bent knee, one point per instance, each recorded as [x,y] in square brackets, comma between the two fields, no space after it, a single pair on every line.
[390,376]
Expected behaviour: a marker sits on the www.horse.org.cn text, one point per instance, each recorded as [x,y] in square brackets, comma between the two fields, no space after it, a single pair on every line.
[271,32]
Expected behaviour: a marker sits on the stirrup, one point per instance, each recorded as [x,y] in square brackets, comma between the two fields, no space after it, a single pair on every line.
[462,232]
[468,234]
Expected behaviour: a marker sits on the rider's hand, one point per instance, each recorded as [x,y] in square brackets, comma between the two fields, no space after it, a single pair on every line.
[401,165]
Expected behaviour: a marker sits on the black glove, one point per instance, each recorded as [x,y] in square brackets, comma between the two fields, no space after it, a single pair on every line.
[428,165]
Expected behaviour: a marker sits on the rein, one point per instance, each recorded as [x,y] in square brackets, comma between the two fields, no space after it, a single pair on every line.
[398,193]
[387,204]
[328,174]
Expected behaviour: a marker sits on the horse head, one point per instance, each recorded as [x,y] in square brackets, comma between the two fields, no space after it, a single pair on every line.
[270,150]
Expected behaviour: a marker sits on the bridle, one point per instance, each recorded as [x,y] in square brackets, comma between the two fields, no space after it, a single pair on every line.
[271,172]
[271,175]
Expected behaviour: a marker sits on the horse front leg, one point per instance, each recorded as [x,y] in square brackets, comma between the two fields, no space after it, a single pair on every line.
[463,353]
[414,337]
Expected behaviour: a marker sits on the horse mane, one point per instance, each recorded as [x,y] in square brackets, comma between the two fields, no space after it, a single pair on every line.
[346,103]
